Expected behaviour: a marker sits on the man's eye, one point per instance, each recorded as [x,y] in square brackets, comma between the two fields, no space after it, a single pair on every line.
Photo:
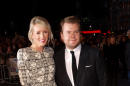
[68,32]
[77,32]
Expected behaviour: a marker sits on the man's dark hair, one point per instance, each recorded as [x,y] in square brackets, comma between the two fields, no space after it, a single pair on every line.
[70,19]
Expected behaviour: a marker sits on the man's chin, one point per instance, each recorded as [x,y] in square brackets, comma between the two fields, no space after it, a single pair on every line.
[72,46]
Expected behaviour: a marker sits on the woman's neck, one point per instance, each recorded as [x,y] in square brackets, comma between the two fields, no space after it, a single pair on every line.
[37,48]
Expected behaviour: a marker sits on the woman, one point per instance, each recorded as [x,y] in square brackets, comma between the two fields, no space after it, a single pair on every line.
[35,63]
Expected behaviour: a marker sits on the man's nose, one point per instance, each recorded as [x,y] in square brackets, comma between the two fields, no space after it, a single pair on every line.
[72,35]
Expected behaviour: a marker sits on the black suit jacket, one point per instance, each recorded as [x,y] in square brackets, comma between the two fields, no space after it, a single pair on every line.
[90,68]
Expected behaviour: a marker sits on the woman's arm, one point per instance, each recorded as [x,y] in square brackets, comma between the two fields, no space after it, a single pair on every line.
[21,67]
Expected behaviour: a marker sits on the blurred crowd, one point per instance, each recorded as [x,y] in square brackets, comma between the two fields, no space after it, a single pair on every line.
[112,47]
[9,46]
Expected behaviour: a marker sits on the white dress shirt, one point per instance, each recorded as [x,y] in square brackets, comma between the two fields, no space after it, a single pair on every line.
[68,61]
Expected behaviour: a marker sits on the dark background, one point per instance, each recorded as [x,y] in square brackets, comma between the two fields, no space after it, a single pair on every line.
[16,15]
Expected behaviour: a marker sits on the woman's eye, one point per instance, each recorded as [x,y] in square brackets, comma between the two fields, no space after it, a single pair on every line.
[45,32]
[38,32]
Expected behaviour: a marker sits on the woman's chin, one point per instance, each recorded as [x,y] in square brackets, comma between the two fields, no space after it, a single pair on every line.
[42,44]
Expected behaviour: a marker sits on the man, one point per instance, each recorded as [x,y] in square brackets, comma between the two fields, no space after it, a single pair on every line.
[90,66]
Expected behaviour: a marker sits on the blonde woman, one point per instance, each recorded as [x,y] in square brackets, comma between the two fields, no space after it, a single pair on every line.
[35,63]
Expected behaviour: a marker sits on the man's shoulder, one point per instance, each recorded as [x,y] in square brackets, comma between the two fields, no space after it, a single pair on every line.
[89,48]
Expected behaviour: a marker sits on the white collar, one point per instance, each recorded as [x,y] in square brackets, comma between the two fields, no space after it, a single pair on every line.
[75,49]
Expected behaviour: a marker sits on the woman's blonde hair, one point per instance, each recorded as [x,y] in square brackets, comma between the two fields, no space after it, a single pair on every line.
[42,21]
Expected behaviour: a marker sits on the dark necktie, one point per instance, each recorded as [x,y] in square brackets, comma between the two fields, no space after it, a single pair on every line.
[74,67]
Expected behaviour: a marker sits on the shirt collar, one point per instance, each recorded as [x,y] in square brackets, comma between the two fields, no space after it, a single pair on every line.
[75,49]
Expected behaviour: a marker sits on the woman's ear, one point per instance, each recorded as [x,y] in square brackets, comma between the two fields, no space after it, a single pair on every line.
[62,37]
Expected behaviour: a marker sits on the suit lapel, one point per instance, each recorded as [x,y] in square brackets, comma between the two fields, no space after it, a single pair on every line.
[82,62]
[82,58]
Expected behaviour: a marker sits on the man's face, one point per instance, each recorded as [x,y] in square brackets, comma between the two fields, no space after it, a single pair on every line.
[112,40]
[70,35]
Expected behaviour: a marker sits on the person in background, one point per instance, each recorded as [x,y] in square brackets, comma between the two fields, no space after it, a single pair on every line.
[1,55]
[112,61]
[35,63]
[127,54]
[122,58]
[77,64]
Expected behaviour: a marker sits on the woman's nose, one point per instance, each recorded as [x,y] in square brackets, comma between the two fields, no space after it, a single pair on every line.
[42,35]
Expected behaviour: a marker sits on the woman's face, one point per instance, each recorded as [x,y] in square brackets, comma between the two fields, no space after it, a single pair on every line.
[40,35]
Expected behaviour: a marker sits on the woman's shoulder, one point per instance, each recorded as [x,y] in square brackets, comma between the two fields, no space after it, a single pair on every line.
[23,49]
[49,49]
[22,53]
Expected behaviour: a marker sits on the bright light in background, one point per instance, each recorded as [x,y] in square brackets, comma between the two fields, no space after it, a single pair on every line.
[95,31]
[89,32]
[90,26]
